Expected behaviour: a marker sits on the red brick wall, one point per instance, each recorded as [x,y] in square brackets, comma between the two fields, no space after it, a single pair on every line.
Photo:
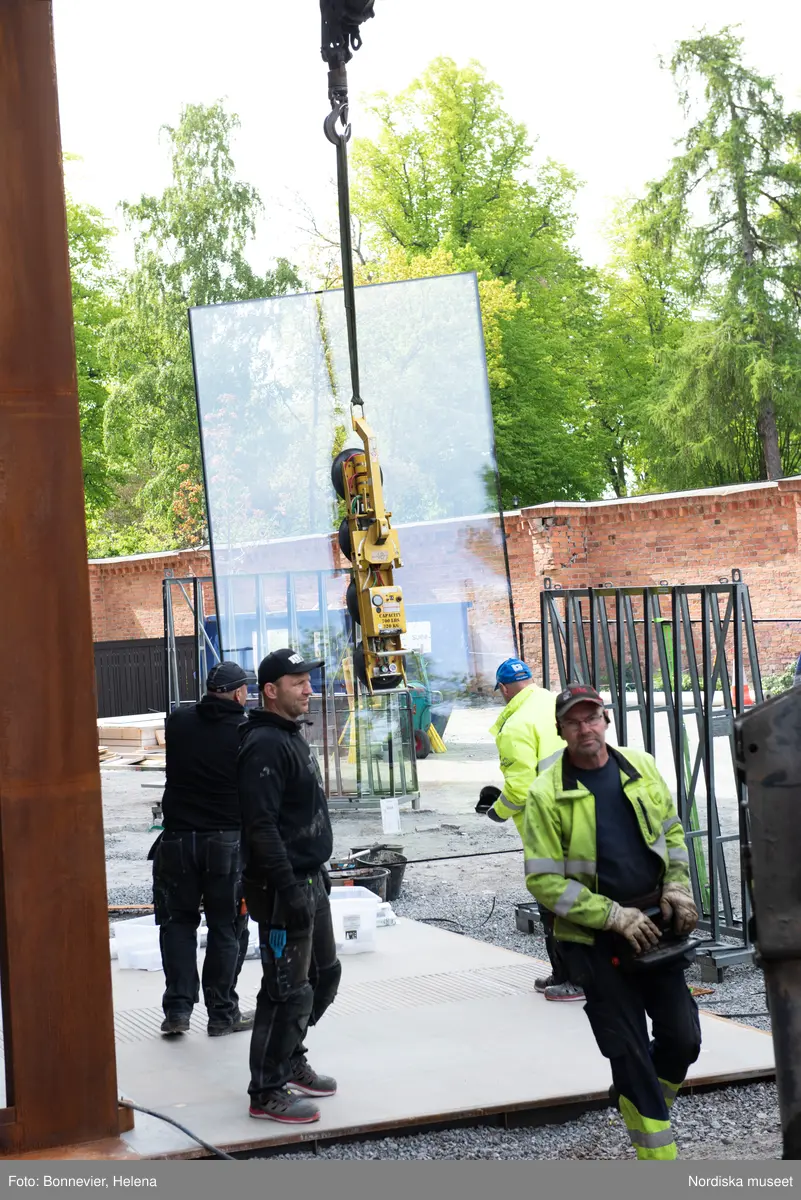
[127,596]
[693,537]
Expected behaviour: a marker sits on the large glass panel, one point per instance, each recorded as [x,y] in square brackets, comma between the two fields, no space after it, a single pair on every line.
[273,390]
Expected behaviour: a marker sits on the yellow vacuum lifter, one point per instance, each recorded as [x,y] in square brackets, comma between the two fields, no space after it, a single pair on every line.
[368,541]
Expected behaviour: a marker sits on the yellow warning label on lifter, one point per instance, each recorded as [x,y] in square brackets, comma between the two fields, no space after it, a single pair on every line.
[386,612]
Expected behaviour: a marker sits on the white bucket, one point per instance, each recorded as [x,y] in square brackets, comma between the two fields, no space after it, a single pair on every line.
[354,911]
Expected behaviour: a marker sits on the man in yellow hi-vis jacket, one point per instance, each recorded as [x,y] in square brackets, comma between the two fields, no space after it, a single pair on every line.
[528,743]
[603,844]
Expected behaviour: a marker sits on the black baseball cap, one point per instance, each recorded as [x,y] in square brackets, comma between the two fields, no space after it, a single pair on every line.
[227,677]
[285,662]
[576,693]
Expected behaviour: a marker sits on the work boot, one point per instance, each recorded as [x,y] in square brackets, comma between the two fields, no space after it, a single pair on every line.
[176,1024]
[544,981]
[241,1023]
[563,992]
[305,1079]
[281,1105]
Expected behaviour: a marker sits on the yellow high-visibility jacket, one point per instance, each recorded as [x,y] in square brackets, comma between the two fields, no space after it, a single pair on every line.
[559,840]
[527,741]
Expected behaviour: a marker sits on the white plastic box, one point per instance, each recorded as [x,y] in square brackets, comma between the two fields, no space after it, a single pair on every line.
[354,911]
[137,944]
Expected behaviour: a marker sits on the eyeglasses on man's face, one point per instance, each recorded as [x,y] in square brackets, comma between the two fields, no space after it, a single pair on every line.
[571,723]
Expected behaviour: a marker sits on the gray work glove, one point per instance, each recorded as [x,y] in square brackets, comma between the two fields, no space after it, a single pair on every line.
[638,930]
[677,905]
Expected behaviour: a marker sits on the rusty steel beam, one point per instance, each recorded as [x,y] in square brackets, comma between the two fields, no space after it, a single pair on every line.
[54,956]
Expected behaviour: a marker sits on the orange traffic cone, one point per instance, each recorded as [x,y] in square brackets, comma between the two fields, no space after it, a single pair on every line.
[747,696]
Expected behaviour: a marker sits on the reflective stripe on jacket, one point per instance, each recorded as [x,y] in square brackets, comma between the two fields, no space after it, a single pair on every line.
[559,840]
[527,741]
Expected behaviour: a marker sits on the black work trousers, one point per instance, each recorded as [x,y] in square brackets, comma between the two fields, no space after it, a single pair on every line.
[647,1072]
[296,989]
[552,946]
[189,868]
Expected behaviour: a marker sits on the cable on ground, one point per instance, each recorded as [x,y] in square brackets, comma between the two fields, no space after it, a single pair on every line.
[452,921]
[215,1150]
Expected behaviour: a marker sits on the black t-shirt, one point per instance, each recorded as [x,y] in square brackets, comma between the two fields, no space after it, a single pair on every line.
[627,869]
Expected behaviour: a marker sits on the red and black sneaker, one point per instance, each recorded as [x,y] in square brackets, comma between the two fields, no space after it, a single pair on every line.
[281,1105]
[305,1079]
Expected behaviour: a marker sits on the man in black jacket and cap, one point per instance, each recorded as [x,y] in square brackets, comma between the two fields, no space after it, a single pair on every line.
[199,857]
[287,840]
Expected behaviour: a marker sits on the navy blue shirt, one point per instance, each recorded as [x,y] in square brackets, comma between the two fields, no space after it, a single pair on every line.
[627,869]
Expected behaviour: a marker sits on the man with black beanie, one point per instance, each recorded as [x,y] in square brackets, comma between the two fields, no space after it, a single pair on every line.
[287,840]
[198,857]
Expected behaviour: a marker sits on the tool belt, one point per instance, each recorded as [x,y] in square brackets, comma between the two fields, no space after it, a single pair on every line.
[673,948]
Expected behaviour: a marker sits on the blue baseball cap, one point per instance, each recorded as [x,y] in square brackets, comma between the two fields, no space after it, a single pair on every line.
[513,670]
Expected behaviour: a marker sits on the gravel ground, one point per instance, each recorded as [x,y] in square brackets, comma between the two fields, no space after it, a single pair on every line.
[711,1126]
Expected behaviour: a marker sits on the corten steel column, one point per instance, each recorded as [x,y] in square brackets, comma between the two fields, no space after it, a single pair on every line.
[54,957]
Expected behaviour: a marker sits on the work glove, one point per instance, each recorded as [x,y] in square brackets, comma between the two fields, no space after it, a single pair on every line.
[326,880]
[487,798]
[677,905]
[293,910]
[638,930]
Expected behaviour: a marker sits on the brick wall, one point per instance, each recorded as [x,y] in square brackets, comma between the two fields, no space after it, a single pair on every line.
[127,593]
[691,537]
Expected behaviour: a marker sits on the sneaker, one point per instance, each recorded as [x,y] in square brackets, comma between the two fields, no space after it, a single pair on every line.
[545,981]
[305,1079]
[177,1024]
[243,1022]
[281,1105]
[563,992]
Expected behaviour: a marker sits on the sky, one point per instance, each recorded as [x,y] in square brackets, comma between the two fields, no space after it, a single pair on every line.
[583,76]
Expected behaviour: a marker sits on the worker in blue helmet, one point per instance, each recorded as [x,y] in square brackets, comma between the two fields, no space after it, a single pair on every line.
[528,743]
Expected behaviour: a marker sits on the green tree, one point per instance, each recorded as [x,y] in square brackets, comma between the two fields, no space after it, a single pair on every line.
[190,249]
[728,401]
[643,314]
[93,306]
[450,172]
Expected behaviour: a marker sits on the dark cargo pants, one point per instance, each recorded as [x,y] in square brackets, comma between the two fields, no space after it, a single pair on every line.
[296,989]
[189,868]
[647,1072]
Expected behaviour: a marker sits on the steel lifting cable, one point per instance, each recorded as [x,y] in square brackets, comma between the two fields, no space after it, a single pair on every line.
[340,36]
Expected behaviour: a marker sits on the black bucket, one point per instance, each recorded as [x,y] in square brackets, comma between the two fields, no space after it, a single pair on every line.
[383,856]
[375,879]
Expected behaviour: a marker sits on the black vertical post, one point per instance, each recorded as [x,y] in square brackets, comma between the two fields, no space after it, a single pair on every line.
[198,639]
[620,625]
[708,765]
[592,606]
[678,703]
[742,799]
[648,682]
[545,633]
[166,600]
